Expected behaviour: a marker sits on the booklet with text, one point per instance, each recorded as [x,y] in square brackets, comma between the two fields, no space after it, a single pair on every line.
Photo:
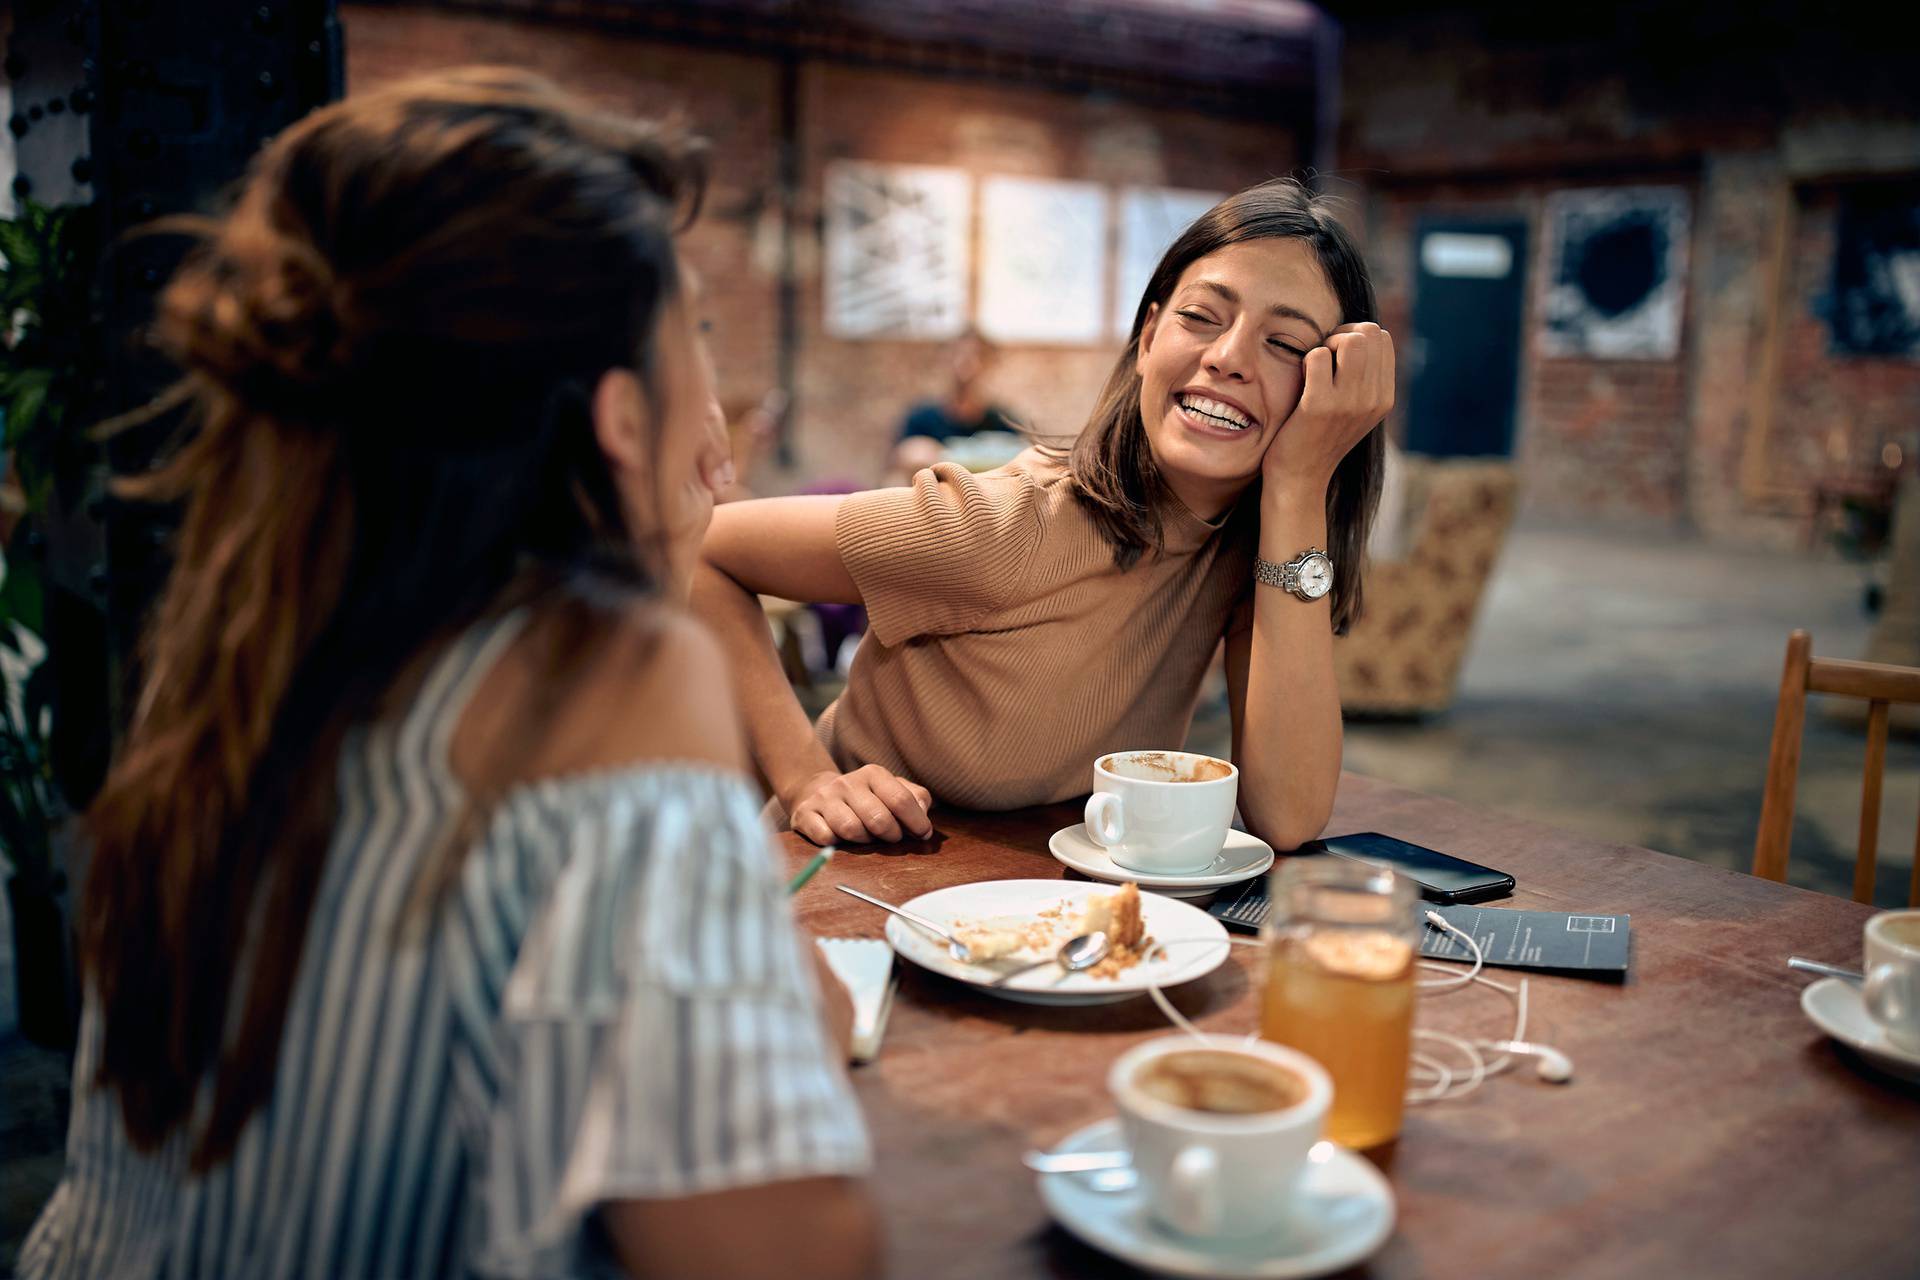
[1596,944]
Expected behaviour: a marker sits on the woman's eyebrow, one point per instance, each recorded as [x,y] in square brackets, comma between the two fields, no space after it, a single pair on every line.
[1278,308]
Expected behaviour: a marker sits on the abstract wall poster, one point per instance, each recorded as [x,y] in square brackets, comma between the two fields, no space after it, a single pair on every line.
[1151,218]
[1616,273]
[897,250]
[1043,254]
[1874,306]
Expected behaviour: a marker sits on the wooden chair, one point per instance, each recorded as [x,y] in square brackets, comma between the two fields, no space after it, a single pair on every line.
[1880,684]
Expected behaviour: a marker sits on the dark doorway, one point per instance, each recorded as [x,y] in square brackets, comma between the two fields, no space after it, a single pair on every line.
[1469,290]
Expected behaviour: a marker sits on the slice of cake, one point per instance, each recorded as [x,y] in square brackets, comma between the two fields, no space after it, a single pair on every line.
[1117,914]
[990,941]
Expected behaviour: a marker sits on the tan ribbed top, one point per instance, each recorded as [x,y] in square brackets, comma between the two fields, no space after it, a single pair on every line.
[1005,650]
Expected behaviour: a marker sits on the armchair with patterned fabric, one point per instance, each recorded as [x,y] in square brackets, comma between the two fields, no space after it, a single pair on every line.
[1403,655]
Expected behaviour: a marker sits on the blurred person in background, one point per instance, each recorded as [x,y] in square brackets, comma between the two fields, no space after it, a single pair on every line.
[931,425]
[753,430]
[1026,620]
[431,930]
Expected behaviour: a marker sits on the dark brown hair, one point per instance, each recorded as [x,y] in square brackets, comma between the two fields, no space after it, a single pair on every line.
[1114,473]
[390,343]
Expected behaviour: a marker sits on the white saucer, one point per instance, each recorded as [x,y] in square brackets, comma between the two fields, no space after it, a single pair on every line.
[1194,943]
[1834,1005]
[1243,857]
[1345,1212]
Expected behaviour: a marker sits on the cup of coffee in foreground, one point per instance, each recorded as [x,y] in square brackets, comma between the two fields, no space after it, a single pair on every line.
[1892,991]
[1219,1128]
[1162,812]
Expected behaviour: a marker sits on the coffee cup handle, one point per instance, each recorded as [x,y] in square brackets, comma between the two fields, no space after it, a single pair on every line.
[1106,825]
[1193,1192]
[1886,996]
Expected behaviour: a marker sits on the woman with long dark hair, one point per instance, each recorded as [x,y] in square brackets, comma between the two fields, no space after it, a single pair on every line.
[430,929]
[1025,621]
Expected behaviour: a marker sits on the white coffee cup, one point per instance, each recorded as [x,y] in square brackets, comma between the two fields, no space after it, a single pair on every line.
[1162,812]
[1892,990]
[1212,1173]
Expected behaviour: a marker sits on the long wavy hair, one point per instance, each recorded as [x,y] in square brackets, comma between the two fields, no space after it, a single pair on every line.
[389,344]
[1115,476]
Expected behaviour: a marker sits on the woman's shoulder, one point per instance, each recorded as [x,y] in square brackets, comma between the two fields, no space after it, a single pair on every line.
[1052,491]
[1043,468]
[592,688]
[1036,482]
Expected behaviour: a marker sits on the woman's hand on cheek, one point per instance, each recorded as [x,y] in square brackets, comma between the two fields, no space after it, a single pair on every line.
[1349,385]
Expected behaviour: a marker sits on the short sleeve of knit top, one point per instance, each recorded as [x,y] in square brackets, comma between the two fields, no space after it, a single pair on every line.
[936,556]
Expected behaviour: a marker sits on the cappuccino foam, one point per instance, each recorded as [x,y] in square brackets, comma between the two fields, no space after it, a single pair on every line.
[1220,1082]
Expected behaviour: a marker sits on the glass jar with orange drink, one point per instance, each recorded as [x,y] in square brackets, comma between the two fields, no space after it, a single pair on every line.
[1340,963]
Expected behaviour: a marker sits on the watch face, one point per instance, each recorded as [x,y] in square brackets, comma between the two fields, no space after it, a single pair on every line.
[1316,576]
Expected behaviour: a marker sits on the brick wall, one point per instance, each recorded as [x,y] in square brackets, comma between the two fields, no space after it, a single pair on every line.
[851,395]
[1594,438]
[1464,114]
[1833,413]
[854,391]
[730,100]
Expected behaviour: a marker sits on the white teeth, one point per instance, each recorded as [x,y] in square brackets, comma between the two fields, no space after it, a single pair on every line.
[1225,414]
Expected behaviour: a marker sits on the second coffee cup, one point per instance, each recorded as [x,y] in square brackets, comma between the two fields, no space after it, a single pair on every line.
[1892,990]
[1161,812]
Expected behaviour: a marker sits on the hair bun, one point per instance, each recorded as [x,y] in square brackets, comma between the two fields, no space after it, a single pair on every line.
[263,316]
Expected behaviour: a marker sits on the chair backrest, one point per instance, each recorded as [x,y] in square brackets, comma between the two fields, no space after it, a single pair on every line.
[1880,684]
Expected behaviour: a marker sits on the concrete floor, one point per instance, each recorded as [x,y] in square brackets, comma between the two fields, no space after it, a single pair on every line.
[1619,686]
[1624,687]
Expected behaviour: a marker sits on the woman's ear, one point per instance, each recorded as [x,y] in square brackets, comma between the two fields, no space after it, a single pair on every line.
[620,423]
[1146,334]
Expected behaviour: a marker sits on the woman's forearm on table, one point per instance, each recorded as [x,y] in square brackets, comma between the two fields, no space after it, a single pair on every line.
[1289,732]
[778,732]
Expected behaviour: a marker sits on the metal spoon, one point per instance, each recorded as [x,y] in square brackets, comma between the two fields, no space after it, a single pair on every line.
[1099,1170]
[1805,965]
[1075,954]
[955,948]
[1075,1161]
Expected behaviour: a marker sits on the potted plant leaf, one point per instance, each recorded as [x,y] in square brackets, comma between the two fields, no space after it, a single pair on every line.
[47,354]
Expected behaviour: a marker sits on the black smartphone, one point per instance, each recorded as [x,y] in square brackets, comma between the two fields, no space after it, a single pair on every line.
[1441,876]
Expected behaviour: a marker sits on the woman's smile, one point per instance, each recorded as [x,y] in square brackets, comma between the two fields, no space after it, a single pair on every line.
[1211,413]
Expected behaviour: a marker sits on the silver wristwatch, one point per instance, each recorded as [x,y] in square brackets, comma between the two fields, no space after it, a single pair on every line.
[1308,576]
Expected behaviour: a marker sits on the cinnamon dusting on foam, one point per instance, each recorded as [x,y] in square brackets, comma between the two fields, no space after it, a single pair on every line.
[1204,769]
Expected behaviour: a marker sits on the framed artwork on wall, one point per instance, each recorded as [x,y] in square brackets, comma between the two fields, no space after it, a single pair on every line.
[1615,273]
[1043,257]
[897,250]
[1874,306]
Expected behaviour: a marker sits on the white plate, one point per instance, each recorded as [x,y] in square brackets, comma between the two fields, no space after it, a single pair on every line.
[1345,1212]
[1835,1006]
[1197,944]
[1243,857]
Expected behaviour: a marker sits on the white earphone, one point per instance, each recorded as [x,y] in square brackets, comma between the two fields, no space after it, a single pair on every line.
[1550,1064]
[1440,1082]
[1554,1066]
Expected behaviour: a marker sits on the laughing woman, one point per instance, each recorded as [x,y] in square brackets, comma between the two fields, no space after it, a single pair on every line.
[1027,620]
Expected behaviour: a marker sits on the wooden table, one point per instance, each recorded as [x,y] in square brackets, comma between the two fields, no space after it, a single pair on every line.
[1710,1130]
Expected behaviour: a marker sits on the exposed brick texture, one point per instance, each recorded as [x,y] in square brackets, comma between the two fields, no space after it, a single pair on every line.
[1443,115]
[850,395]
[730,100]
[1488,115]
[854,391]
